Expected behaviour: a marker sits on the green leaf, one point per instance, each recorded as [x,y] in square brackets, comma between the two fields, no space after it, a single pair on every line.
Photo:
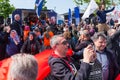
[6,8]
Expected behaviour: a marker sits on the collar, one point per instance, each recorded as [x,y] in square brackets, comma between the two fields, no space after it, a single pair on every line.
[57,56]
[100,51]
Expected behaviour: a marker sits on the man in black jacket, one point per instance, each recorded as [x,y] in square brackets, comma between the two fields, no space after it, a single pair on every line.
[63,67]
[17,26]
[106,57]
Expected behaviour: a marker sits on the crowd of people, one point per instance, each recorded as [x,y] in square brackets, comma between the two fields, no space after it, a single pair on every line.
[95,46]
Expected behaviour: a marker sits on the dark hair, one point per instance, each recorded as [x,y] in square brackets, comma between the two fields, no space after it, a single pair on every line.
[32,33]
[101,5]
[97,35]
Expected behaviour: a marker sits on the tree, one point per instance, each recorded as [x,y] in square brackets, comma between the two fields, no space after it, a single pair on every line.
[78,2]
[44,7]
[6,8]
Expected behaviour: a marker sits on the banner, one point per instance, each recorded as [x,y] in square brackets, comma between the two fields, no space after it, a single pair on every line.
[60,19]
[69,17]
[90,9]
[38,5]
[77,15]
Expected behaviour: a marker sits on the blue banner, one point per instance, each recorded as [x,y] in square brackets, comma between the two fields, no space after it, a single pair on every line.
[77,15]
[69,17]
[39,5]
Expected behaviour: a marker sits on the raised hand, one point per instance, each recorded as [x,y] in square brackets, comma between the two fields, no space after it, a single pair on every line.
[89,54]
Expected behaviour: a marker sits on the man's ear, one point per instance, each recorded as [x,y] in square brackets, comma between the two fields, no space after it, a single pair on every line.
[54,47]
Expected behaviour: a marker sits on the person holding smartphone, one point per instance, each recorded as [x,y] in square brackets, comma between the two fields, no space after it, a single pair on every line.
[63,67]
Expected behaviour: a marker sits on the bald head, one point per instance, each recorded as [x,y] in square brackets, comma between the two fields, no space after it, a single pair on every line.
[17,17]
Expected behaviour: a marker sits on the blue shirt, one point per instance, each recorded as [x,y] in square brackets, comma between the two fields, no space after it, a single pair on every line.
[102,57]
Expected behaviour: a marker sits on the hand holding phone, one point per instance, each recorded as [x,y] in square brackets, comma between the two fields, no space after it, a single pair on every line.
[89,54]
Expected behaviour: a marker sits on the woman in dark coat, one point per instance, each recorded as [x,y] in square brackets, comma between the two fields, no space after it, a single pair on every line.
[31,45]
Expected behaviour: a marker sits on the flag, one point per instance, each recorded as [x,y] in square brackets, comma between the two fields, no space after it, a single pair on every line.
[90,9]
[118,77]
[69,17]
[43,66]
[77,16]
[38,5]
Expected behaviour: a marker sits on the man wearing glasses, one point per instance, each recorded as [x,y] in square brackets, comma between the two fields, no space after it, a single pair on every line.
[63,67]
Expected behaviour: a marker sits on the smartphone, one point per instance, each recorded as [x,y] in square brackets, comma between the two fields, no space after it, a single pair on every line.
[93,46]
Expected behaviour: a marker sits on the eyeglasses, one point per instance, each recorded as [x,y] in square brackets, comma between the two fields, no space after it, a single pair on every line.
[64,42]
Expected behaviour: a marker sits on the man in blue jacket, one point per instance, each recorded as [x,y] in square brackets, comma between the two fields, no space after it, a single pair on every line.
[101,13]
